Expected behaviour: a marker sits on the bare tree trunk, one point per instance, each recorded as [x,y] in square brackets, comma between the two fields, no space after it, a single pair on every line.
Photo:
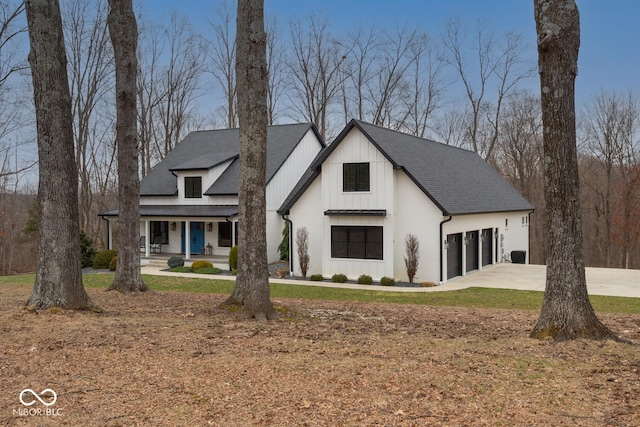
[59,273]
[566,311]
[124,37]
[252,285]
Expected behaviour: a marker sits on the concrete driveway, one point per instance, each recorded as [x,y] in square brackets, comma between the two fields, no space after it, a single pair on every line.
[600,281]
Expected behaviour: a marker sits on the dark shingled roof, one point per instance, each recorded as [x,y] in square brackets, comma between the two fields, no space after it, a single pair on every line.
[458,181]
[206,149]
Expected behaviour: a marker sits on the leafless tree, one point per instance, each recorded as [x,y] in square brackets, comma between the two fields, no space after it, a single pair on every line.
[302,249]
[90,69]
[451,127]
[149,96]
[427,87]
[171,67]
[500,68]
[315,75]
[59,275]
[412,255]
[123,30]
[11,102]
[223,56]
[566,312]
[276,67]
[180,84]
[252,285]
[607,128]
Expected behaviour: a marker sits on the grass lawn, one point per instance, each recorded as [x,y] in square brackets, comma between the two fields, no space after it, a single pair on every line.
[471,297]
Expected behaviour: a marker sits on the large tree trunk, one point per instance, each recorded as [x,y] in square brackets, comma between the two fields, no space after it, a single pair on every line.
[124,37]
[252,284]
[59,273]
[566,311]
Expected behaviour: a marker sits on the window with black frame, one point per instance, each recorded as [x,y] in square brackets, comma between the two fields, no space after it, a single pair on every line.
[193,187]
[356,242]
[159,231]
[224,234]
[355,177]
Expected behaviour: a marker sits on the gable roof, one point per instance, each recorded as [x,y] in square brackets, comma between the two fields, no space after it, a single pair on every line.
[203,150]
[457,181]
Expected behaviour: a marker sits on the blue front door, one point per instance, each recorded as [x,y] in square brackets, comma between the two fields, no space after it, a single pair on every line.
[196,232]
[196,237]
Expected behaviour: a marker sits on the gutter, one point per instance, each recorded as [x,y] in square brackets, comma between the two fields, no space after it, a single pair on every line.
[441,246]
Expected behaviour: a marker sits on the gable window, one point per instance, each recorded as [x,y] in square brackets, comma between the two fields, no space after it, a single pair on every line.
[224,234]
[193,187]
[356,242]
[355,177]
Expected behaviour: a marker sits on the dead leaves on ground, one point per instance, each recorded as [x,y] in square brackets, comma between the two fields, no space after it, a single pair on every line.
[174,359]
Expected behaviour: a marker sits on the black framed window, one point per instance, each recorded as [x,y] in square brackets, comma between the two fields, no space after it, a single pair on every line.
[224,234]
[193,187]
[356,242]
[159,231]
[355,177]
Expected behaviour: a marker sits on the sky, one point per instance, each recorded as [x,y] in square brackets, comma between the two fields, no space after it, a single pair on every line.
[609,57]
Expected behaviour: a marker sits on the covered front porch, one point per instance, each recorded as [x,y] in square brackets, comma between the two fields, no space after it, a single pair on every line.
[192,232]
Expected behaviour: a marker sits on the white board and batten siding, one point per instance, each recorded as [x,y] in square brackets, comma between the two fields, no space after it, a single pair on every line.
[282,184]
[356,148]
[418,215]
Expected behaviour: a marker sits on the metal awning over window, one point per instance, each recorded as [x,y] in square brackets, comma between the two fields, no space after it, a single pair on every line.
[356,212]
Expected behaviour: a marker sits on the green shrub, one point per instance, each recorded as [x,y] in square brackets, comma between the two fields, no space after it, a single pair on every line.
[197,265]
[182,269]
[316,277]
[365,279]
[233,258]
[103,259]
[113,263]
[175,261]
[87,249]
[387,281]
[338,278]
[208,270]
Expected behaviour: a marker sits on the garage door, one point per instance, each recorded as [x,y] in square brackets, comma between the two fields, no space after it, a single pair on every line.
[454,255]
[472,250]
[487,246]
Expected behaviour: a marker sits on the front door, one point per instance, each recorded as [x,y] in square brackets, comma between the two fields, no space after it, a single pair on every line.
[196,237]
[196,233]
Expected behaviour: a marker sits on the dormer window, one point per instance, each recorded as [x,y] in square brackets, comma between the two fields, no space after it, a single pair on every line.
[193,187]
[355,177]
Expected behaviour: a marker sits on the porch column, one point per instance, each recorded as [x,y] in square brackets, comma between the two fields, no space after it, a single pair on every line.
[147,239]
[187,239]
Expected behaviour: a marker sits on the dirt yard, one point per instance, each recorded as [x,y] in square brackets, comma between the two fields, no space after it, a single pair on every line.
[174,359]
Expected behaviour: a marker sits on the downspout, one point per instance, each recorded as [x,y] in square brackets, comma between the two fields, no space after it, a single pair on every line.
[290,223]
[529,239]
[441,245]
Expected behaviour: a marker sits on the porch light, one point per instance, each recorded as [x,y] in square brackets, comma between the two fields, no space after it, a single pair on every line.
[210,226]
[173,226]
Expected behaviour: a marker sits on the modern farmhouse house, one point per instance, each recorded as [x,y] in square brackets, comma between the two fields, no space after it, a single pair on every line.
[189,201]
[371,187]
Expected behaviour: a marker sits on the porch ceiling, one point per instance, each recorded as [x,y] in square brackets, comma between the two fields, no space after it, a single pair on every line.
[220,211]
